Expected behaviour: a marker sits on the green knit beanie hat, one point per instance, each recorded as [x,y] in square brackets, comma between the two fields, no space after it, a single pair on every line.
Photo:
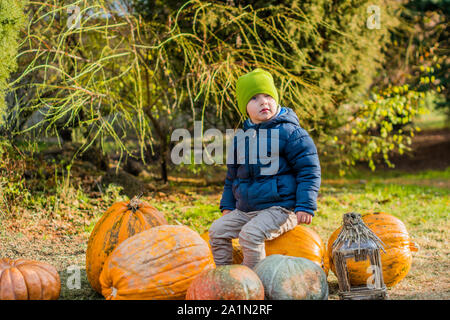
[252,83]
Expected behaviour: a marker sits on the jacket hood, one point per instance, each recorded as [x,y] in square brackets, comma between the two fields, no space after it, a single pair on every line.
[286,115]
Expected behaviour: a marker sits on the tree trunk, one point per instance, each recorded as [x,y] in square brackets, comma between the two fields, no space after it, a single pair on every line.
[164,170]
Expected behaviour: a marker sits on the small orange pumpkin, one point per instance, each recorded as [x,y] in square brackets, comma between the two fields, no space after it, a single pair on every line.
[301,242]
[396,262]
[24,279]
[231,282]
[237,250]
[121,221]
[156,264]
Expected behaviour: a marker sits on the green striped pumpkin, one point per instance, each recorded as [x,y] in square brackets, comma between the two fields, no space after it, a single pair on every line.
[292,278]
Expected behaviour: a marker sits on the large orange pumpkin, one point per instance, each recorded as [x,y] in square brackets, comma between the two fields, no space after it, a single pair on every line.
[396,262]
[231,282]
[121,221]
[301,242]
[24,279]
[157,264]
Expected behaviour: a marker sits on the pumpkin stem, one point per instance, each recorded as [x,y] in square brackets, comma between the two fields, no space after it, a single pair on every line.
[135,203]
[413,246]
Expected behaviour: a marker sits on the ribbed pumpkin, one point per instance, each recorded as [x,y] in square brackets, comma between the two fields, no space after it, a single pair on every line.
[237,250]
[121,221]
[156,264]
[292,278]
[231,282]
[396,262]
[301,242]
[24,279]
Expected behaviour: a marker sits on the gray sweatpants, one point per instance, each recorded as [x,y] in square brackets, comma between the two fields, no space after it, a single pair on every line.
[252,228]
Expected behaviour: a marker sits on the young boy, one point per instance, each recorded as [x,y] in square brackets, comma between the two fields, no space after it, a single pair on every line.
[256,206]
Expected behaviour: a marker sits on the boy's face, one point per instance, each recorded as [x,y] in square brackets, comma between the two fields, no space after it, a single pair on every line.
[261,107]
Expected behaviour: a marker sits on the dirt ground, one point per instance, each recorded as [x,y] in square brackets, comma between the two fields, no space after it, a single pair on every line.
[431,150]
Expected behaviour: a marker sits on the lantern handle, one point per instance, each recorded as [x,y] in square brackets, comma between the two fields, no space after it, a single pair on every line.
[354,230]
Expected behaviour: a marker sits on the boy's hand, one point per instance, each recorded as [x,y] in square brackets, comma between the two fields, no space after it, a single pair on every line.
[303,217]
[224,212]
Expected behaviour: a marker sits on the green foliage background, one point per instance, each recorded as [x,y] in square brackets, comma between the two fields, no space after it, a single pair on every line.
[135,70]
[12,19]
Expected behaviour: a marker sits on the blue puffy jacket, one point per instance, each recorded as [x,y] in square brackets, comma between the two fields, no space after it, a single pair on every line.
[296,183]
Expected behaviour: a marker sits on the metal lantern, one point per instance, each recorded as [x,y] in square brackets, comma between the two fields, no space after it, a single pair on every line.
[356,241]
